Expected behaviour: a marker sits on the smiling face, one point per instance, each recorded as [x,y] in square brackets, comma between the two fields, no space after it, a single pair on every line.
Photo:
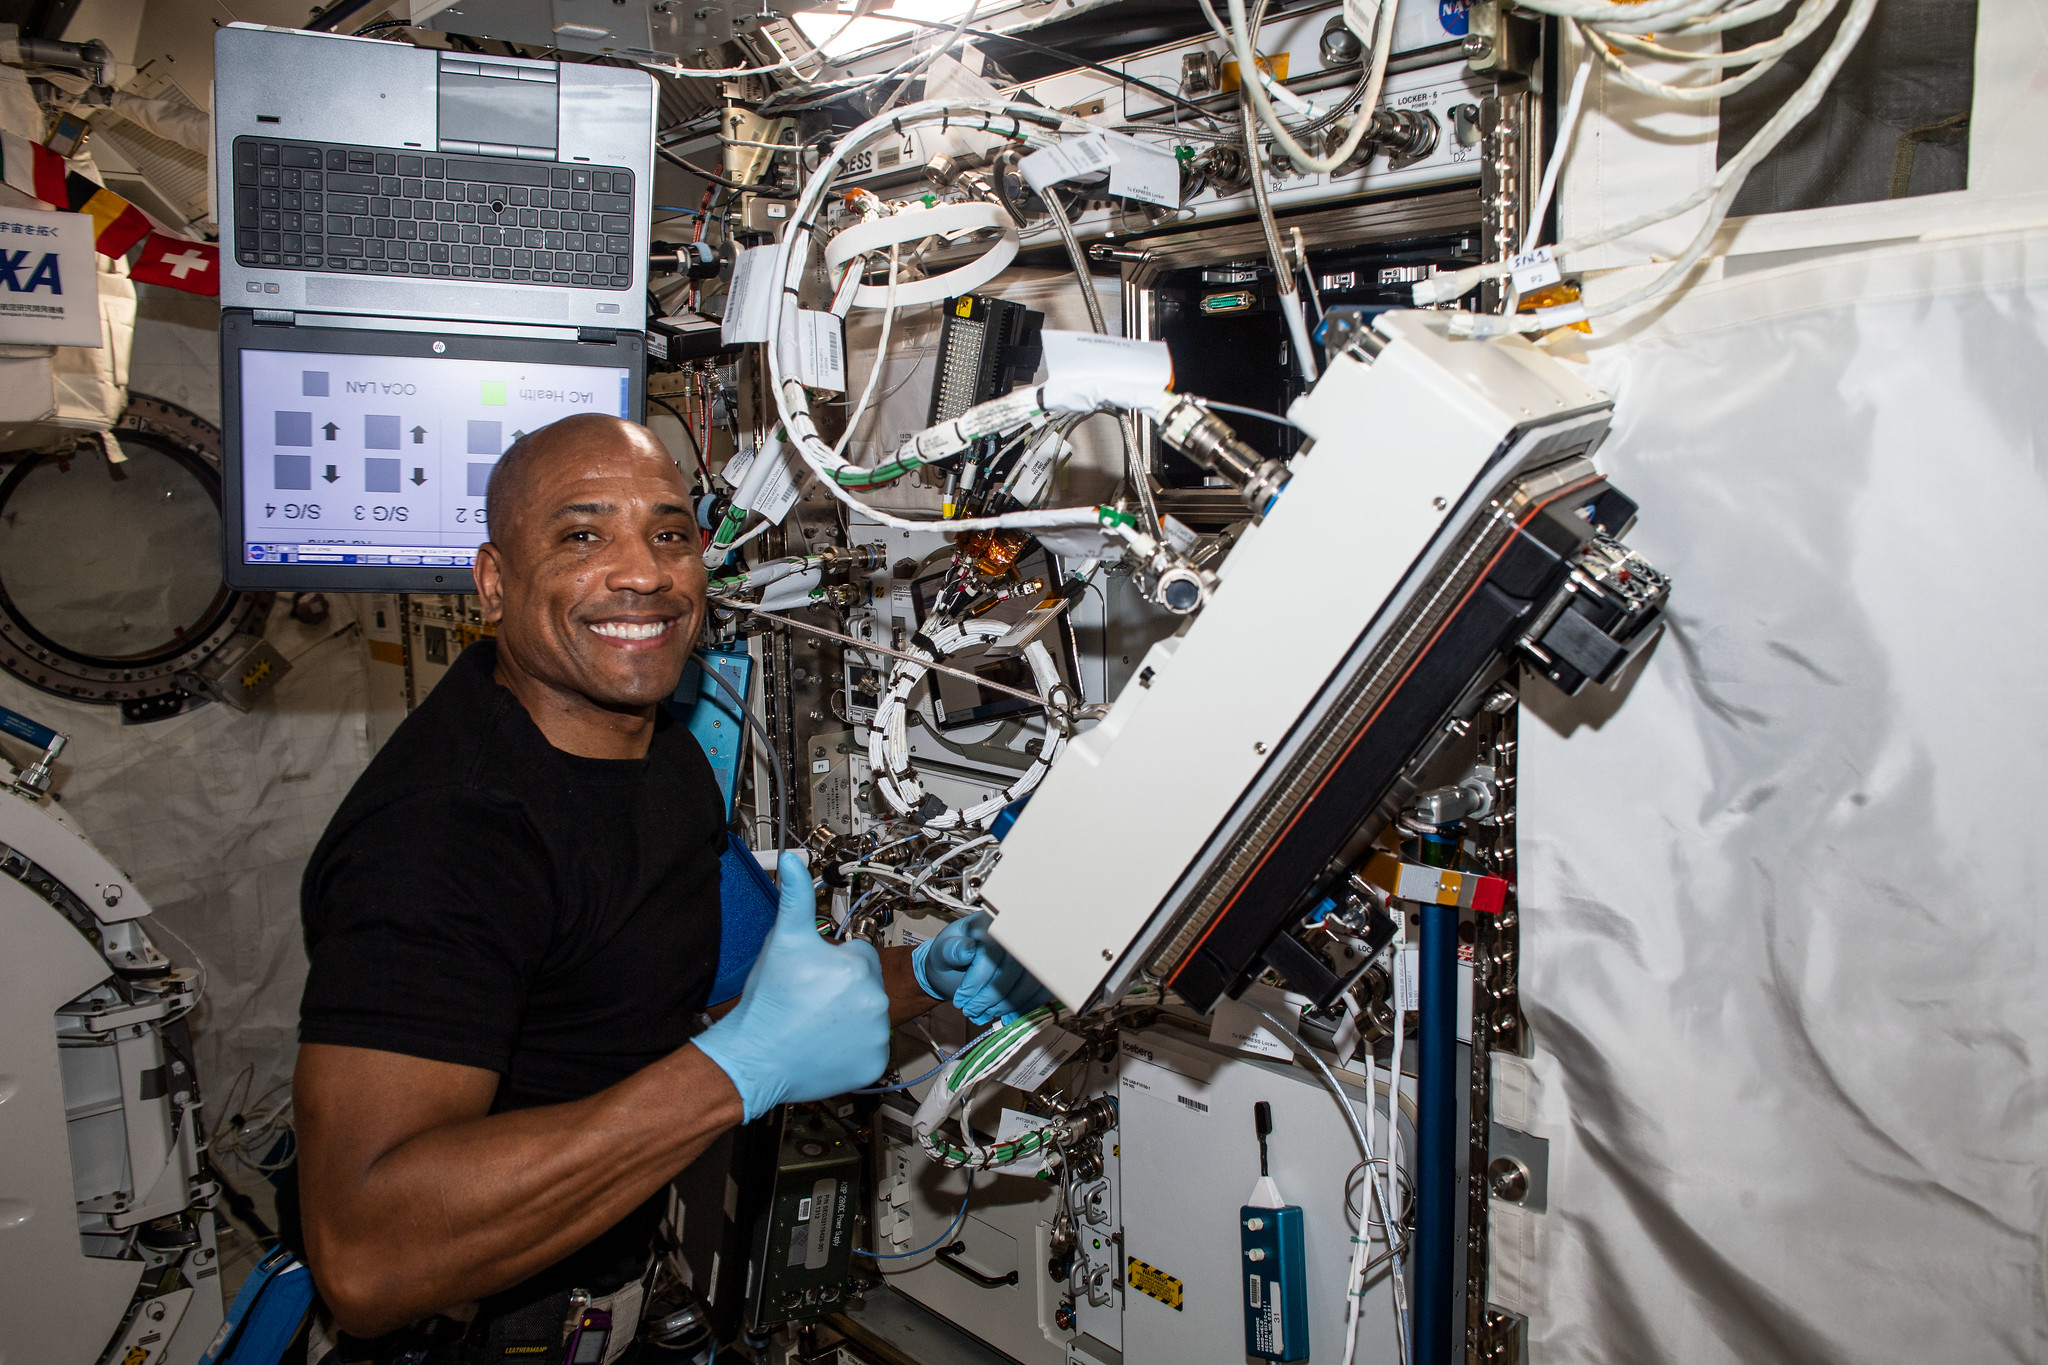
[594,575]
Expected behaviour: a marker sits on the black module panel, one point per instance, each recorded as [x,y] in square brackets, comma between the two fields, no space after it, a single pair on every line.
[987,347]
[1228,337]
[1473,644]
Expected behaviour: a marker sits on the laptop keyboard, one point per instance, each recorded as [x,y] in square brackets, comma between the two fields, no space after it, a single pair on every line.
[366,210]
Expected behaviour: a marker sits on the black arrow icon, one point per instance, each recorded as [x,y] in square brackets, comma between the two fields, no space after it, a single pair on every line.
[419,435]
[330,475]
[419,476]
[330,429]
[518,436]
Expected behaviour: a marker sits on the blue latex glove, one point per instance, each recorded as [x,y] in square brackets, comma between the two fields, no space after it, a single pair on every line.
[814,1019]
[964,965]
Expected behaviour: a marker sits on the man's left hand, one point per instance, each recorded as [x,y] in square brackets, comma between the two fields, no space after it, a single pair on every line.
[964,965]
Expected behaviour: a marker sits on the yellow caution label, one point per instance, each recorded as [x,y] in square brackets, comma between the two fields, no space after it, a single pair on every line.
[964,308]
[1150,1279]
[1274,64]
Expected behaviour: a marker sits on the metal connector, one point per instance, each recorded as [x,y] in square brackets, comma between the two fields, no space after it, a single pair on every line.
[1206,439]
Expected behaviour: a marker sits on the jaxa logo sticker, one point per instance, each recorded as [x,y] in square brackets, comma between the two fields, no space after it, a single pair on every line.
[20,279]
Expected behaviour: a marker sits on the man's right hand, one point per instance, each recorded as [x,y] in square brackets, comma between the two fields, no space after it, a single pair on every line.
[813,1020]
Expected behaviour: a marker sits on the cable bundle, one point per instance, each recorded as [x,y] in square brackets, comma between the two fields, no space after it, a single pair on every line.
[1610,30]
[982,1062]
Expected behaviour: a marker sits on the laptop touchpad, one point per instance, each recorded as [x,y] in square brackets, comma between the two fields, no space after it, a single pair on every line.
[493,110]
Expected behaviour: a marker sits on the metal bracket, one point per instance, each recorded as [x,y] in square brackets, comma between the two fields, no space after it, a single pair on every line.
[1518,1161]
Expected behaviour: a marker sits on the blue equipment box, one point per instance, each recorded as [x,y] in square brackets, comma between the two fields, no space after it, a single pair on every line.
[1275,1283]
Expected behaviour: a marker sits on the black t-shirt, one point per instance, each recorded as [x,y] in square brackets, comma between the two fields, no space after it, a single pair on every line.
[483,898]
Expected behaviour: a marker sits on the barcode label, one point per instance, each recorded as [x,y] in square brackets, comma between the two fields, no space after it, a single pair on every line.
[1085,155]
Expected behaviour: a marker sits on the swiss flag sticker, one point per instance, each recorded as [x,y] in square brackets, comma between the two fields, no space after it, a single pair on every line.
[191,266]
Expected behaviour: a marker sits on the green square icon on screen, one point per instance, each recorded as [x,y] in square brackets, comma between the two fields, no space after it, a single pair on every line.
[494,393]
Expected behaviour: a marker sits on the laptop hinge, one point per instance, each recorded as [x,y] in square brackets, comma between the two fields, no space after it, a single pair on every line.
[603,336]
[275,317]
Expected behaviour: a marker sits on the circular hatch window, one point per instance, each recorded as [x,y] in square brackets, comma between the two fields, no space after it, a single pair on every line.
[110,583]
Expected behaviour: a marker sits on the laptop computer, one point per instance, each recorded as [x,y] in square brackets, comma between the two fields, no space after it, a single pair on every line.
[424,256]
[366,177]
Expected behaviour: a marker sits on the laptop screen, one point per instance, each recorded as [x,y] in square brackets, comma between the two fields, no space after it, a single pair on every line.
[350,469]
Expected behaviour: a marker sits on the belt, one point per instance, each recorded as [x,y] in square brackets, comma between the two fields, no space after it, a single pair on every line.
[534,1333]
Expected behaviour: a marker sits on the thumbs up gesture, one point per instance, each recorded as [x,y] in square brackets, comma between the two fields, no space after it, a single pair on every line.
[814,1018]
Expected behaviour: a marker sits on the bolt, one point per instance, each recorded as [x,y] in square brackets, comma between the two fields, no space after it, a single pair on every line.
[1105,954]
[1508,1179]
[1258,746]
[1438,503]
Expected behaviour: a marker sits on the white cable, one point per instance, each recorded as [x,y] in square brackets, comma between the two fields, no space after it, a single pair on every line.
[889,743]
[1350,1112]
[1719,193]
[1389,1214]
[881,355]
[1603,43]
[1567,126]
[973,9]
[1247,66]
[1028,124]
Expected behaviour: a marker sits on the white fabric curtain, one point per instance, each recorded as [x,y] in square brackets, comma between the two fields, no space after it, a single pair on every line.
[1783,947]
[213,813]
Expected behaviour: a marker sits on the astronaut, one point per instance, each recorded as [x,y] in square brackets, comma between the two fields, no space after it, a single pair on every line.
[513,924]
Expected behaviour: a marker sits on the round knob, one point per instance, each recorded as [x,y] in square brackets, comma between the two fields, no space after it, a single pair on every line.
[1255,1254]
[1508,1179]
[1255,1224]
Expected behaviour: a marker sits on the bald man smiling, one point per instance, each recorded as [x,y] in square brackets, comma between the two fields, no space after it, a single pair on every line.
[513,924]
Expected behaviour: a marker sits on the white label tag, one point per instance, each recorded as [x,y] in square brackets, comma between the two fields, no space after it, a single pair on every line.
[1407,984]
[735,471]
[746,302]
[813,340]
[1145,172]
[1236,1024]
[1532,270]
[1015,1123]
[1464,992]
[1141,1077]
[784,484]
[1069,159]
[1087,370]
[1036,471]
[1076,543]
[1041,1059]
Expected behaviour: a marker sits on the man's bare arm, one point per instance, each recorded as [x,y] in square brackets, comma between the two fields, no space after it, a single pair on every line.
[907,999]
[417,1198]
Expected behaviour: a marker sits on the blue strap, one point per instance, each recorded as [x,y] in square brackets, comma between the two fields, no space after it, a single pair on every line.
[746,912]
[266,1316]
